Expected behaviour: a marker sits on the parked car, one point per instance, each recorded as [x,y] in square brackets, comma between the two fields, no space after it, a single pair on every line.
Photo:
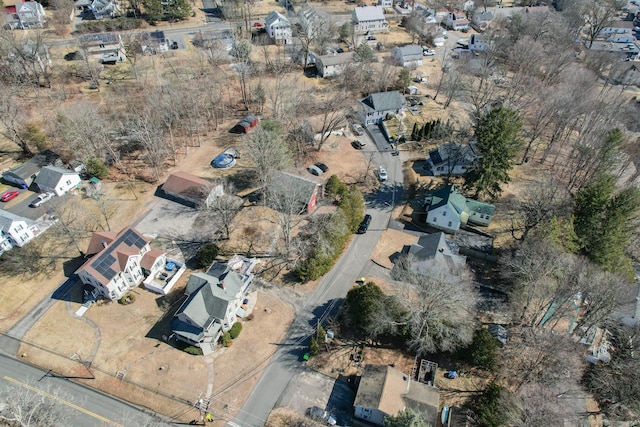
[41,199]
[428,52]
[9,195]
[320,414]
[364,225]
[174,45]
[357,144]
[382,174]
[322,166]
[357,129]
[314,170]
[258,24]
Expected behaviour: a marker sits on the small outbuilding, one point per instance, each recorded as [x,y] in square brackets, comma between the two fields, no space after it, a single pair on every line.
[192,189]
[245,125]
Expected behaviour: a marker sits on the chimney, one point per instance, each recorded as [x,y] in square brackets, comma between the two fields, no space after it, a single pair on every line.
[104,243]
[222,285]
[441,250]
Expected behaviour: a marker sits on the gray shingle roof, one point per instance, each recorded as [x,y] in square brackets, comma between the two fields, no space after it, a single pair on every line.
[7,218]
[368,13]
[50,176]
[384,101]
[411,50]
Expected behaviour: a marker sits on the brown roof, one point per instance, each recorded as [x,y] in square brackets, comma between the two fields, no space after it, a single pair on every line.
[112,259]
[186,184]
[150,257]
[99,239]
[389,390]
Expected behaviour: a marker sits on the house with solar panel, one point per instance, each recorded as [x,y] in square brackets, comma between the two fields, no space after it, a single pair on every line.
[119,262]
[214,302]
[447,210]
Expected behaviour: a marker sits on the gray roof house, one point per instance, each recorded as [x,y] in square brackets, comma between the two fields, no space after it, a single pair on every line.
[29,14]
[294,193]
[408,56]
[368,20]
[375,107]
[213,302]
[278,28]
[57,180]
[332,65]
[433,252]
[384,391]
[23,176]
[452,159]
[481,20]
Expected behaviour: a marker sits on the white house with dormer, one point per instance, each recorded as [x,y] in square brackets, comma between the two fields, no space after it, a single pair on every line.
[15,230]
[278,28]
[456,21]
[117,262]
[57,180]
[369,20]
[27,15]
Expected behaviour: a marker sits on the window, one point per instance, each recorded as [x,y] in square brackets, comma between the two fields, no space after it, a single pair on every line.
[19,227]
[435,219]
[449,224]
[444,213]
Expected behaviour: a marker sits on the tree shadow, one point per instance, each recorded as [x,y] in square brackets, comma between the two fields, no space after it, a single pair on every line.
[161,330]
[341,399]
[243,179]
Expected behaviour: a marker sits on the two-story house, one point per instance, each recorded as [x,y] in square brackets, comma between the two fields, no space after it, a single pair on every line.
[278,28]
[452,159]
[29,14]
[312,21]
[57,180]
[333,65]
[456,21]
[448,210]
[15,230]
[433,253]
[213,302]
[375,107]
[369,20]
[23,176]
[479,42]
[102,9]
[408,56]
[482,20]
[116,265]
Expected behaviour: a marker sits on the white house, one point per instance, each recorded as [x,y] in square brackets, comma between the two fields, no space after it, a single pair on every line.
[278,28]
[29,14]
[15,230]
[478,42]
[116,265]
[617,28]
[102,9]
[57,180]
[456,21]
[214,302]
[368,20]
[452,159]
[332,65]
[386,3]
[408,56]
[375,107]
[448,210]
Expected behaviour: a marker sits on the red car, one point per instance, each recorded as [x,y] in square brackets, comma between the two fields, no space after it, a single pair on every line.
[9,195]
[258,24]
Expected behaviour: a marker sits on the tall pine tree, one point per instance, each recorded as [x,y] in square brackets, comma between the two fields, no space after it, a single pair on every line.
[497,142]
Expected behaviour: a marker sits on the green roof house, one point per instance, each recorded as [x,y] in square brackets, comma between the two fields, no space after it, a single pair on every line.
[448,210]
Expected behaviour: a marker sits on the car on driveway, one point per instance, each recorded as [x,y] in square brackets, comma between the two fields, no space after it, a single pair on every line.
[428,52]
[364,225]
[357,144]
[322,166]
[41,199]
[320,414]
[9,195]
[357,129]
[314,170]
[382,174]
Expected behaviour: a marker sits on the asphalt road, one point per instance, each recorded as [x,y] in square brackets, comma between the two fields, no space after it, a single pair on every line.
[323,302]
[85,407]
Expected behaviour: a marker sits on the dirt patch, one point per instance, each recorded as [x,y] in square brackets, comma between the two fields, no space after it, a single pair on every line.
[390,242]
[283,417]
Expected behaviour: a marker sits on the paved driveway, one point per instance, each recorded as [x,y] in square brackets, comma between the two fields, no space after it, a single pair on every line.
[21,207]
[167,218]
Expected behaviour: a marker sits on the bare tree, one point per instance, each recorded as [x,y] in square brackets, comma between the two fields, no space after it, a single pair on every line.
[268,152]
[27,408]
[61,16]
[333,116]
[597,16]
[438,309]
[225,207]
[11,115]
[146,130]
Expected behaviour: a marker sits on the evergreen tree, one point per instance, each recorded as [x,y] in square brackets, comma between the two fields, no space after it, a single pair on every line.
[415,132]
[406,418]
[153,10]
[177,10]
[404,79]
[497,141]
[363,53]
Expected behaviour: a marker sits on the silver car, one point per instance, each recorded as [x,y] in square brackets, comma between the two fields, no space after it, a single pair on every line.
[41,199]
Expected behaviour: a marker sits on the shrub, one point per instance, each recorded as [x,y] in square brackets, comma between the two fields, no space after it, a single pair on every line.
[127,299]
[117,24]
[483,350]
[314,347]
[206,255]
[489,406]
[322,335]
[96,168]
[226,339]
[235,330]
[196,351]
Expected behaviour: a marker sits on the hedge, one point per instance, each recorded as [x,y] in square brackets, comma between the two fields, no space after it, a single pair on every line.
[235,330]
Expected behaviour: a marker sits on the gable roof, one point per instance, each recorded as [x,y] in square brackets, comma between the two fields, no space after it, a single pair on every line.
[410,50]
[187,184]
[33,165]
[110,261]
[448,195]
[459,153]
[369,13]
[389,390]
[436,249]
[150,258]
[31,6]
[384,101]
[274,17]
[337,59]
[300,188]
[99,239]
[480,207]
[483,16]
[50,176]
[7,219]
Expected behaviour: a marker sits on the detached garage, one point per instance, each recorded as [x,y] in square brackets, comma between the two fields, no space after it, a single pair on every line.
[192,189]
[245,125]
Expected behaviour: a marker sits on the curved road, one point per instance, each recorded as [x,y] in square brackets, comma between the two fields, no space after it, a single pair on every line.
[323,302]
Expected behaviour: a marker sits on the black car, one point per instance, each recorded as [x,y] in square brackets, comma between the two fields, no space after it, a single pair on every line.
[364,225]
[322,167]
[357,144]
